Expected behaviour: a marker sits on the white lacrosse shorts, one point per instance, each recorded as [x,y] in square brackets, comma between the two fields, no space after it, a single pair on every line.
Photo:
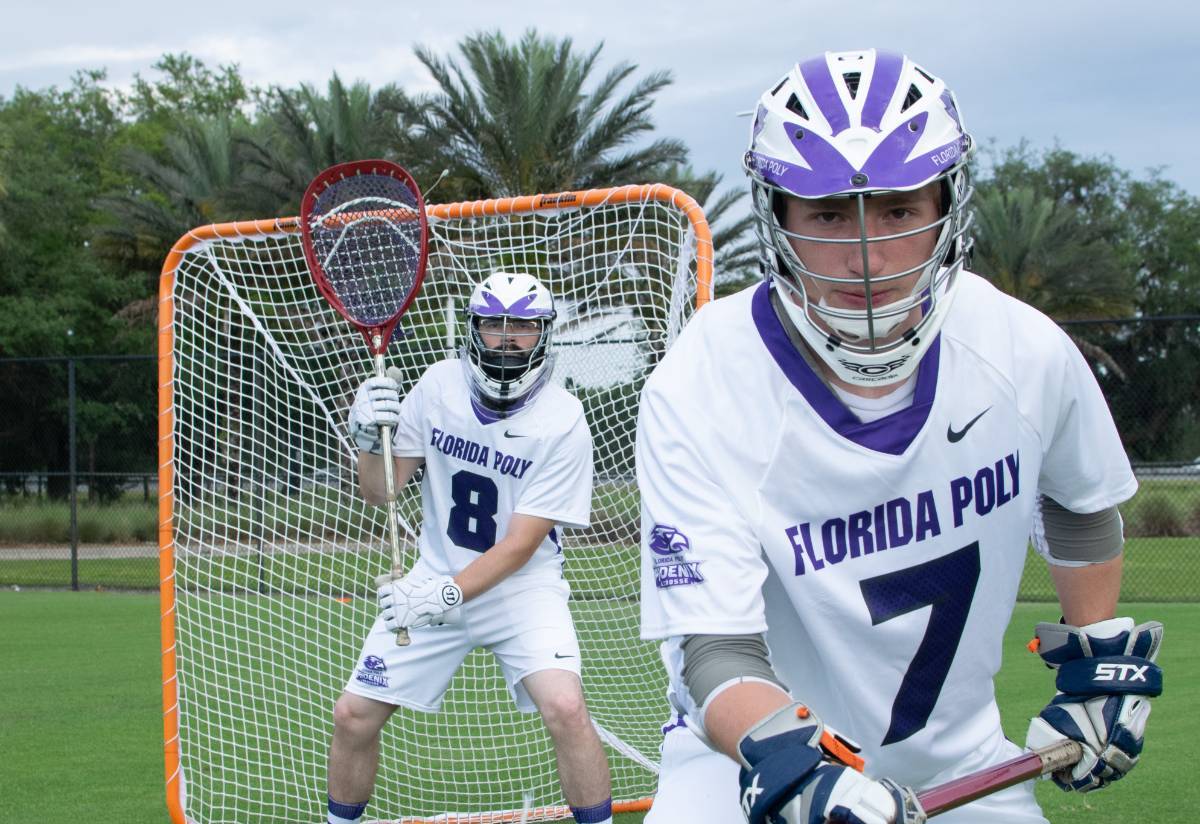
[528,631]
[700,786]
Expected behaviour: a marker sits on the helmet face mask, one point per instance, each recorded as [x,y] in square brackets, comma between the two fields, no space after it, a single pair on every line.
[510,321]
[859,190]
[508,348]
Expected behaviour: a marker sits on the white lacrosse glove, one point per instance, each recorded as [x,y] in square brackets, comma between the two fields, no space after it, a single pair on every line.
[376,404]
[1106,678]
[795,771]
[408,602]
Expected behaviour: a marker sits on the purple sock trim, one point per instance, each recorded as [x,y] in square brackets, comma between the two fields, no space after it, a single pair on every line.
[349,811]
[591,815]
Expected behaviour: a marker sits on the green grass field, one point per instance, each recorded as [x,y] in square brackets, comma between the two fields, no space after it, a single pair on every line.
[81,735]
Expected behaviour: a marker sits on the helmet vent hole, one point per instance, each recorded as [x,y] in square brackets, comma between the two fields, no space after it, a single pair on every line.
[914,94]
[793,106]
[851,80]
[924,74]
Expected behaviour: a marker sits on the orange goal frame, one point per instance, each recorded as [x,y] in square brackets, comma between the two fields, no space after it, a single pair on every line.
[166,420]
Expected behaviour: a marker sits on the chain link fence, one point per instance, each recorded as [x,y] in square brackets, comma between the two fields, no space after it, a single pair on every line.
[78,472]
[79,485]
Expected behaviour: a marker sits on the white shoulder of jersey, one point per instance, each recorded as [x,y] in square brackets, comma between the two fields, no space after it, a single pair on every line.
[1014,341]
[717,384]
[558,409]
[1002,339]
[725,324]
[446,373]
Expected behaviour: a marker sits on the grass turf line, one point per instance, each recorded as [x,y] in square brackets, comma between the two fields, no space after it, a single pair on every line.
[81,731]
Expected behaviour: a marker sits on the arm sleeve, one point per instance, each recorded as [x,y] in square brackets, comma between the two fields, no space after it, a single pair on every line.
[702,564]
[1084,466]
[1067,538]
[561,489]
[712,661]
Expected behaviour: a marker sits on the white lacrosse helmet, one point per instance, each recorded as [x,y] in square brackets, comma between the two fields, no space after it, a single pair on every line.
[512,306]
[856,124]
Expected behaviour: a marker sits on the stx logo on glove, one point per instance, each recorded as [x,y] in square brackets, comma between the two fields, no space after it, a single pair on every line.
[750,795]
[1120,672]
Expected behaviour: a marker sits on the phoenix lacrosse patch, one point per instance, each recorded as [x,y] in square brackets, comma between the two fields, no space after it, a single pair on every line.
[372,672]
[671,569]
[667,540]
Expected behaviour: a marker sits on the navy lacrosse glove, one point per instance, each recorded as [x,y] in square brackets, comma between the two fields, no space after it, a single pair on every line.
[1106,678]
[794,771]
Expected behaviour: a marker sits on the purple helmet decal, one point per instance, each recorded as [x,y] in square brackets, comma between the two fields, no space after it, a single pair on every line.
[759,116]
[888,166]
[829,102]
[951,107]
[491,305]
[883,87]
[523,307]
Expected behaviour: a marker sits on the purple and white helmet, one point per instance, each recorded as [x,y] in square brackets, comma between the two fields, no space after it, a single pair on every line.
[856,124]
[511,305]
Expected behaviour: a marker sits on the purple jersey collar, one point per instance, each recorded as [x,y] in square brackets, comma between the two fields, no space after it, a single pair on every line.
[891,434]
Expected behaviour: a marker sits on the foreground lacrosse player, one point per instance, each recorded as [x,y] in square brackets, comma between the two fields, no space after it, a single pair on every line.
[840,469]
[507,456]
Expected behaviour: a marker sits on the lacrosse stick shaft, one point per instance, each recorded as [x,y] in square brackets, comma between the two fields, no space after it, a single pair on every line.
[963,790]
[389,484]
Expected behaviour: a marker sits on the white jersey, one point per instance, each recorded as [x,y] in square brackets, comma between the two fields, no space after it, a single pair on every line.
[479,471]
[883,558]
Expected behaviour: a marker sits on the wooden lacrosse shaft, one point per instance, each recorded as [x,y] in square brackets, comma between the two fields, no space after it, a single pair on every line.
[963,790]
[389,485]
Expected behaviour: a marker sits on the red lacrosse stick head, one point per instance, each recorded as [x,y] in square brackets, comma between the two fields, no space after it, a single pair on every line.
[365,237]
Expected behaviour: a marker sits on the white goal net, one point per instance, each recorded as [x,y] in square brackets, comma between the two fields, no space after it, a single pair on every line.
[267,552]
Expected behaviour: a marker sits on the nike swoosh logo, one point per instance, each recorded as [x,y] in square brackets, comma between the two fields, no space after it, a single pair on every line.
[508,434]
[560,655]
[955,437]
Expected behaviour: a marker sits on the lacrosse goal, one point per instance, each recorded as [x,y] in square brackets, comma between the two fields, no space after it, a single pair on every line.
[267,552]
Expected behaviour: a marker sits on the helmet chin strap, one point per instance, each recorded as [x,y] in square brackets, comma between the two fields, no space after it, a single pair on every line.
[859,328]
[854,370]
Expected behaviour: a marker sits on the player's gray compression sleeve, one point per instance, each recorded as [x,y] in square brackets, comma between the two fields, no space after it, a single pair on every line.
[712,660]
[1079,538]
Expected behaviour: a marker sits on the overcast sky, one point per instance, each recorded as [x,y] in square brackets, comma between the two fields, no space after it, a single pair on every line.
[1100,78]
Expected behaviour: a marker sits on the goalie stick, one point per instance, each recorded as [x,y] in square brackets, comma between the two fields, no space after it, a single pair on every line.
[992,779]
[365,237]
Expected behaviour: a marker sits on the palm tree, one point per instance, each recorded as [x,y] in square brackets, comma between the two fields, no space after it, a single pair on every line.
[304,132]
[517,119]
[191,185]
[1044,253]
[735,250]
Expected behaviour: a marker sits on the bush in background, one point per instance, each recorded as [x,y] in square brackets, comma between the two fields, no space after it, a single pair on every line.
[49,522]
[1155,515]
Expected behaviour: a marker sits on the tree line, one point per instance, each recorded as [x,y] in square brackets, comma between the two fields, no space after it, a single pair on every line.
[97,183]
